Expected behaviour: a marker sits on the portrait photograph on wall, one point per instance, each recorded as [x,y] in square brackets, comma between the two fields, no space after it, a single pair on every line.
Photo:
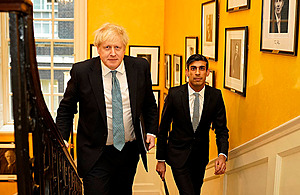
[191,46]
[210,79]
[177,70]
[93,51]
[209,30]
[237,5]
[236,54]
[151,54]
[168,71]
[8,167]
[279,26]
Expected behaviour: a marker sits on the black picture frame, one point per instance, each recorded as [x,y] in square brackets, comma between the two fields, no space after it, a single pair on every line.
[168,71]
[152,55]
[209,30]
[157,97]
[282,38]
[191,46]
[233,5]
[8,169]
[236,57]
[93,51]
[177,70]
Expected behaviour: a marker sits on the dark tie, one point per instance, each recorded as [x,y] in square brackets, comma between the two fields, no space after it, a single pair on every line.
[195,120]
[117,113]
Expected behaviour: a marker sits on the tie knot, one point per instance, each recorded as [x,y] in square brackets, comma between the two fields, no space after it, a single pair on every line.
[196,94]
[113,72]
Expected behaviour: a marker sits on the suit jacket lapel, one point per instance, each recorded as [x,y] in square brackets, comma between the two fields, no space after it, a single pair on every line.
[186,104]
[131,75]
[95,76]
[206,102]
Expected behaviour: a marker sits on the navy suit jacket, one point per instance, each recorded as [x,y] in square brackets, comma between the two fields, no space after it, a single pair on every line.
[86,87]
[176,145]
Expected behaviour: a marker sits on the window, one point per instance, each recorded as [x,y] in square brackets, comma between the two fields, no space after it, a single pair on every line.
[60,37]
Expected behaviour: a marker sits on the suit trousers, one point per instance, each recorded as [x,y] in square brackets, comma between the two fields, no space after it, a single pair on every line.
[189,178]
[114,171]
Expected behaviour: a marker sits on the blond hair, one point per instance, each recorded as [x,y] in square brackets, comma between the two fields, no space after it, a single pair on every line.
[108,32]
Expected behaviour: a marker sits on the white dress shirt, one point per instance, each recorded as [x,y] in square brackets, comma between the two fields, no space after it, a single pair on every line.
[127,117]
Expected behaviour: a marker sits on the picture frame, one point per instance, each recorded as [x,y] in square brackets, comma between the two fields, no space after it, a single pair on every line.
[8,169]
[236,57]
[209,30]
[177,70]
[168,70]
[93,51]
[191,46]
[279,36]
[152,55]
[237,5]
[157,97]
[210,80]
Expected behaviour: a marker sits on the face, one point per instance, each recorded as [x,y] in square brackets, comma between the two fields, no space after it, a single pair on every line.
[197,74]
[278,6]
[112,52]
[10,157]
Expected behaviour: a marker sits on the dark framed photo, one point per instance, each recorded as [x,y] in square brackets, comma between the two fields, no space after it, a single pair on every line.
[191,46]
[236,55]
[177,70]
[151,54]
[93,51]
[168,70]
[209,30]
[237,5]
[279,26]
[8,164]
[210,79]
[157,97]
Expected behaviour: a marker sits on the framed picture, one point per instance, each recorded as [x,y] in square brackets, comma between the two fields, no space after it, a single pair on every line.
[210,80]
[157,96]
[237,5]
[177,68]
[93,51]
[8,168]
[209,30]
[151,54]
[191,46]
[236,54]
[279,26]
[168,71]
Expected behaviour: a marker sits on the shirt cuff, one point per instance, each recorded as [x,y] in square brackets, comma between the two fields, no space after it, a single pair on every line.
[151,135]
[161,160]
[223,155]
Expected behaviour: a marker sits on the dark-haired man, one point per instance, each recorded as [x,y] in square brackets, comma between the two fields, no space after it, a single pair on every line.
[192,108]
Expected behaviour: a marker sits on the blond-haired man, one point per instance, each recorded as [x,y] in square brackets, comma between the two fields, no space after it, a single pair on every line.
[108,144]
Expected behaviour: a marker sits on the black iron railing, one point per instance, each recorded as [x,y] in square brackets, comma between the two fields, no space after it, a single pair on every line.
[52,169]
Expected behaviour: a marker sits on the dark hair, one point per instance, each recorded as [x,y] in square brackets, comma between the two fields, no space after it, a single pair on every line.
[196,57]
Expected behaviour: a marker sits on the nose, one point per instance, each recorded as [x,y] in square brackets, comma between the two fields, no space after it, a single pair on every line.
[113,52]
[198,71]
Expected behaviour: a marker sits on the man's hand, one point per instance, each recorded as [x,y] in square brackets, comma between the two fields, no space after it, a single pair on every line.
[220,165]
[161,169]
[151,141]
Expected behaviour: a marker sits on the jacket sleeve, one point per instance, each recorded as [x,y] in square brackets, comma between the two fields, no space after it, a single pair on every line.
[68,107]
[220,126]
[164,128]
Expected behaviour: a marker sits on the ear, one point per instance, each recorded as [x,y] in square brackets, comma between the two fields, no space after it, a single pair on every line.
[207,72]
[187,73]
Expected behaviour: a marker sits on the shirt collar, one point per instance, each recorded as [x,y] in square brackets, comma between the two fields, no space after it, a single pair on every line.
[191,91]
[106,70]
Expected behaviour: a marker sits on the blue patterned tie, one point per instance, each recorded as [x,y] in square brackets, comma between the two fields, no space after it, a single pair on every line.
[117,113]
[195,120]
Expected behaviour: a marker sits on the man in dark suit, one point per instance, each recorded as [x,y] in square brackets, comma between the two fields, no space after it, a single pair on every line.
[192,108]
[110,135]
